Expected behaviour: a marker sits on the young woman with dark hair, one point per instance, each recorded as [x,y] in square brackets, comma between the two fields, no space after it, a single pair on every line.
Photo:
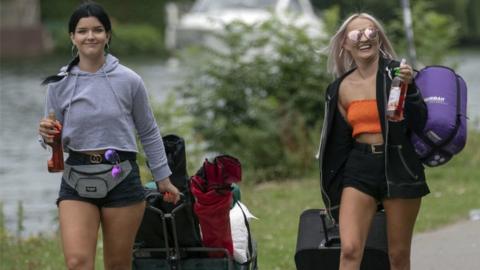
[101,106]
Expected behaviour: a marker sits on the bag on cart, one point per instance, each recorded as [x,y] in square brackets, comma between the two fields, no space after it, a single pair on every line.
[171,250]
[212,188]
[318,243]
[150,233]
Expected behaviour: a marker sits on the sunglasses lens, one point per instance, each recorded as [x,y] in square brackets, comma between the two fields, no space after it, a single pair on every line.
[354,35]
[371,33]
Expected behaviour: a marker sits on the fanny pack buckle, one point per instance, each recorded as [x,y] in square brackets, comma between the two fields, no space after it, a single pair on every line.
[95,158]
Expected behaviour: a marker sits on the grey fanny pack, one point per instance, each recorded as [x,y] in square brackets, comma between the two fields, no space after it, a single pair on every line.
[95,181]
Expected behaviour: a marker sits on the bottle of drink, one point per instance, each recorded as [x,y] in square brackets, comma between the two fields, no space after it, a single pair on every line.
[396,99]
[55,164]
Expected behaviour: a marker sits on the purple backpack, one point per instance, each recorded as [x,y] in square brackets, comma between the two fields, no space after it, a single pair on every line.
[445,132]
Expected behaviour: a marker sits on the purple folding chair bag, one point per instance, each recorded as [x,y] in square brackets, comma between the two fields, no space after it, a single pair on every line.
[445,133]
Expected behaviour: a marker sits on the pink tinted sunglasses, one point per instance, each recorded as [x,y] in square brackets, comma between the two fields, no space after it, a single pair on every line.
[370,33]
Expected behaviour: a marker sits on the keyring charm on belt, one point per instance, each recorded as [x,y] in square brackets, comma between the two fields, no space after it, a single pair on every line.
[112,156]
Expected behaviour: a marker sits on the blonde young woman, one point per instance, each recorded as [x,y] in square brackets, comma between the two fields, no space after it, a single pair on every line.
[366,160]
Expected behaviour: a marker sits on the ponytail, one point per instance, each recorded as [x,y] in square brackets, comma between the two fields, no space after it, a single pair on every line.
[58,77]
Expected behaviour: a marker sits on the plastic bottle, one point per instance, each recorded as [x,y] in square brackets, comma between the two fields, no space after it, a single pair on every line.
[396,99]
[55,164]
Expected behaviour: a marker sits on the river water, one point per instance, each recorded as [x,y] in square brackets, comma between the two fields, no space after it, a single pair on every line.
[23,174]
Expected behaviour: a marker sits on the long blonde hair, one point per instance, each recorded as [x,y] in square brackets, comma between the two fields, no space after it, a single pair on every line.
[340,62]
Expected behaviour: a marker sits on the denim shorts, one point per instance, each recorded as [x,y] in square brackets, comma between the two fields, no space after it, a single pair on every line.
[365,171]
[128,192]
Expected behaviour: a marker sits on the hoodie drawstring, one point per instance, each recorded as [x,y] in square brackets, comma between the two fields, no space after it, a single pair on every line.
[67,117]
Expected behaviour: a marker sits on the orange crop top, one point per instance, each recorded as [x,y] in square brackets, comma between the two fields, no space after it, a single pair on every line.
[363,116]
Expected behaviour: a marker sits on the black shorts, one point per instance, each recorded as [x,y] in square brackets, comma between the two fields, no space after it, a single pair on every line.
[128,192]
[365,171]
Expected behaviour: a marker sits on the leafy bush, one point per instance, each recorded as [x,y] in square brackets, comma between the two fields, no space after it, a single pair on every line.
[136,39]
[260,98]
[173,118]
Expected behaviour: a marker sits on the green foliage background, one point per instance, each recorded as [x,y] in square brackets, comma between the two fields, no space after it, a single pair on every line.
[267,109]
[260,98]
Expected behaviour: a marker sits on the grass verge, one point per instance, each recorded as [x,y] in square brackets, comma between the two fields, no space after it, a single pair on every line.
[278,205]
[455,189]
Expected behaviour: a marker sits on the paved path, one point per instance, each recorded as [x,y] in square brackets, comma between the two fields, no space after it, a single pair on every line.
[455,247]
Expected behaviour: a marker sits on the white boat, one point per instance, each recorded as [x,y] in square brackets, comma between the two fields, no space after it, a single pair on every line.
[207,16]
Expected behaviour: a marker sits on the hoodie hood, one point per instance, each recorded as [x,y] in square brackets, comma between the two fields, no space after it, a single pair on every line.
[111,63]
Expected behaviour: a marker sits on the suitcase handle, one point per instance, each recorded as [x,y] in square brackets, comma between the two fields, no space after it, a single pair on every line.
[333,241]
[327,241]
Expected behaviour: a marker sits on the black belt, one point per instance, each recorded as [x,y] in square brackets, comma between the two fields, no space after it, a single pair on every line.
[369,148]
[100,158]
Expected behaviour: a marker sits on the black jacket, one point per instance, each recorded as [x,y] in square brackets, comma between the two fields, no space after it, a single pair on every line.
[401,161]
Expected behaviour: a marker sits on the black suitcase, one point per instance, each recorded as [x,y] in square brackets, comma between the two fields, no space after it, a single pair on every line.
[318,243]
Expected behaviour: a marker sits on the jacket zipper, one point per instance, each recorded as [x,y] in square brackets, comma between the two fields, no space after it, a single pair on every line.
[324,129]
[320,156]
[386,128]
[399,148]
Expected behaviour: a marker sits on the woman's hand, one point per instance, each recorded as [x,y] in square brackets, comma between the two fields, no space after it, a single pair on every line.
[170,192]
[406,73]
[48,128]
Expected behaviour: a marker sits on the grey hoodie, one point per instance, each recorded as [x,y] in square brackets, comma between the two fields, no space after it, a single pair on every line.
[102,110]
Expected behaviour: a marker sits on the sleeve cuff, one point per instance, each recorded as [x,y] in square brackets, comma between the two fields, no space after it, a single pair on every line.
[161,172]
[42,142]
[412,89]
[413,93]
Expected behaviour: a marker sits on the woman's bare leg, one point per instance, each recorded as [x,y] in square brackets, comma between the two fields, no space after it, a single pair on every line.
[79,223]
[401,215]
[356,214]
[119,228]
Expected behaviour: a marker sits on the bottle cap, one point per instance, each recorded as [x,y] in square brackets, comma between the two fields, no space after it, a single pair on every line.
[396,71]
